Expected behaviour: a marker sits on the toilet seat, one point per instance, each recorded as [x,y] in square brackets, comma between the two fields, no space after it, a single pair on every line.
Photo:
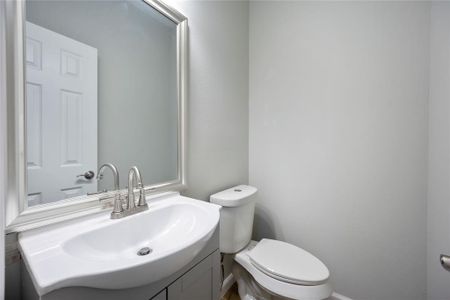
[288,263]
[279,287]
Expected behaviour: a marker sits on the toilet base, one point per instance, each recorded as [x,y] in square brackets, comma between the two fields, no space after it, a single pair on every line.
[249,289]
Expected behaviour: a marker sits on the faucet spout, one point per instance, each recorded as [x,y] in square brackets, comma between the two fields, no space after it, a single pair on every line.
[134,175]
[118,209]
[114,171]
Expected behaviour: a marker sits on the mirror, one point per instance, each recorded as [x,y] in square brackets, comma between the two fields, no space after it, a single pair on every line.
[102,85]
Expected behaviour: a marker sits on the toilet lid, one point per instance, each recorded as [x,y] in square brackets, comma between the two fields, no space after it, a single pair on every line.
[288,263]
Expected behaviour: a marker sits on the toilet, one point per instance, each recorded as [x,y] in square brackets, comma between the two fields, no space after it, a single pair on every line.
[268,269]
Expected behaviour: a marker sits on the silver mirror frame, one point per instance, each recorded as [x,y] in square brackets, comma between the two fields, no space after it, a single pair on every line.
[18,216]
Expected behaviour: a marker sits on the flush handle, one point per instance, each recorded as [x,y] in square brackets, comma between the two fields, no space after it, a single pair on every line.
[445,262]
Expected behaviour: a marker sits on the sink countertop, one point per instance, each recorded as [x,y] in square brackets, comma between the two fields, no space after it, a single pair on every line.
[98,252]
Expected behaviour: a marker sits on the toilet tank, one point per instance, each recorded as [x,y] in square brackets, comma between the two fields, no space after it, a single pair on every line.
[236,216]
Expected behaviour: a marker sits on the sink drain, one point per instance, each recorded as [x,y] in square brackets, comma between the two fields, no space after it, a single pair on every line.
[144,251]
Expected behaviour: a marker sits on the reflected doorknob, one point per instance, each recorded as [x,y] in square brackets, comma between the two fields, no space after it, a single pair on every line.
[87,175]
[445,261]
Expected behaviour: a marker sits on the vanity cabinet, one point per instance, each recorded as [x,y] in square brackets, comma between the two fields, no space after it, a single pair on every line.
[199,280]
[201,283]
[161,296]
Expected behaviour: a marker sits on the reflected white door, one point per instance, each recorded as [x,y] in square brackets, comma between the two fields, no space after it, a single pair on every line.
[61,109]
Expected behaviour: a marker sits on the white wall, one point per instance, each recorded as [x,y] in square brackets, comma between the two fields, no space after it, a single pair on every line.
[338,135]
[439,153]
[218,96]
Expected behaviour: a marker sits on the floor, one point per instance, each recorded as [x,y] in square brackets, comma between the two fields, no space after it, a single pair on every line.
[232,294]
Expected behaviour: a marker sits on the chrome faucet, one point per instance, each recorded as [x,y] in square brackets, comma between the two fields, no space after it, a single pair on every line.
[118,209]
[131,206]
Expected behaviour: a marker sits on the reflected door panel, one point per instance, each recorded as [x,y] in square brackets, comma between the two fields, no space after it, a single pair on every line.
[61,108]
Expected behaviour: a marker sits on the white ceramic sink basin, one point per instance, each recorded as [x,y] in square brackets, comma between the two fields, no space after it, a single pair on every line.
[99,252]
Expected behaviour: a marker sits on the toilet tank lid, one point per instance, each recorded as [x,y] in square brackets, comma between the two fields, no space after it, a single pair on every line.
[234,196]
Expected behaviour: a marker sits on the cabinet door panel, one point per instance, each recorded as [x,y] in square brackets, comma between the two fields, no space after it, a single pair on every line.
[161,296]
[200,283]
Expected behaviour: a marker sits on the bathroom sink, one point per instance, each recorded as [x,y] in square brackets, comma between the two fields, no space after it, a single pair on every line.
[137,250]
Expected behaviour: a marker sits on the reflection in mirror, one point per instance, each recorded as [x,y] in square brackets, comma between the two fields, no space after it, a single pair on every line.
[101,87]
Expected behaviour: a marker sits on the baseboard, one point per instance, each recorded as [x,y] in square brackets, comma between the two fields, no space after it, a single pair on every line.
[227,283]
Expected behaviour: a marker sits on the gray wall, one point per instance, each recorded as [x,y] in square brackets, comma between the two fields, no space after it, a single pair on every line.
[439,153]
[218,96]
[2,147]
[137,104]
[338,138]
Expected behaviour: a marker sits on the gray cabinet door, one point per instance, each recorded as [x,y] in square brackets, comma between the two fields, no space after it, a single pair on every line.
[202,282]
[161,296]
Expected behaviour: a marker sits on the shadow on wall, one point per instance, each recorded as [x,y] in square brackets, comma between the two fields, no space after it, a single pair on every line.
[264,226]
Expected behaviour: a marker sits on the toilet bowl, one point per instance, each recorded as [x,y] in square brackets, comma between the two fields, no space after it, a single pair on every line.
[268,269]
[273,282]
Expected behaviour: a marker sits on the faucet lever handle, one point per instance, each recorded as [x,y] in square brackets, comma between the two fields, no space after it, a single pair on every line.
[97,192]
[105,200]
[142,201]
